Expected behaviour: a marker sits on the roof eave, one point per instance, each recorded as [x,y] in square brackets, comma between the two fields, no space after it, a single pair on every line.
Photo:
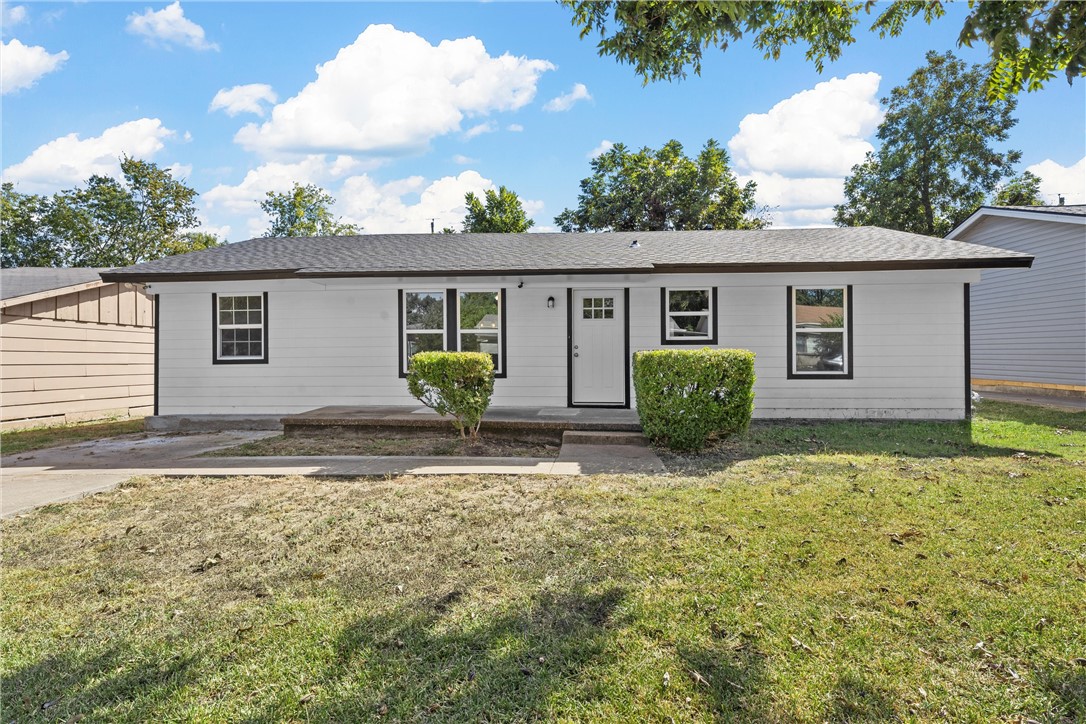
[986,211]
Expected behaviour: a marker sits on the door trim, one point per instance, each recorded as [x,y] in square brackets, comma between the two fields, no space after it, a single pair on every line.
[625,405]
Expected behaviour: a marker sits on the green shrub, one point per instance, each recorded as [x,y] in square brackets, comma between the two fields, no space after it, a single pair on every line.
[684,396]
[453,383]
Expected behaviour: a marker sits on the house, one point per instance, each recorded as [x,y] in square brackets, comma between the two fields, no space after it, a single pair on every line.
[74,347]
[846,323]
[1028,329]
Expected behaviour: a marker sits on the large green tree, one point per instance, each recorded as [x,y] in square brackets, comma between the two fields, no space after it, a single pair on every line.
[662,190]
[939,157]
[497,212]
[1024,190]
[1029,41]
[147,214]
[304,211]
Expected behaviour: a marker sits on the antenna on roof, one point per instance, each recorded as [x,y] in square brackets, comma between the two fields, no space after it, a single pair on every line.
[432,225]
[1060,197]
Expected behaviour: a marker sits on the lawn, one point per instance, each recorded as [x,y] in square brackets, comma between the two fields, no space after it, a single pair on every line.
[376,441]
[19,441]
[898,571]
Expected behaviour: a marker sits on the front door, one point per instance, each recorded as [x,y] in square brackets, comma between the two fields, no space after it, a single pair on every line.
[599,347]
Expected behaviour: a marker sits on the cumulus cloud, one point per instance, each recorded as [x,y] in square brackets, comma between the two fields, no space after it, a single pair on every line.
[801,150]
[391,92]
[13,15]
[383,208]
[169,26]
[601,149]
[1057,180]
[514,128]
[464,160]
[70,160]
[564,102]
[24,64]
[479,129]
[243,99]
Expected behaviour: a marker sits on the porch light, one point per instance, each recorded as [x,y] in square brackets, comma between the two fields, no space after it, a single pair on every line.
[550,302]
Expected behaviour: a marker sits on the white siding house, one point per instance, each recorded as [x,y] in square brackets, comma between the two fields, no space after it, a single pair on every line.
[1028,327]
[896,338]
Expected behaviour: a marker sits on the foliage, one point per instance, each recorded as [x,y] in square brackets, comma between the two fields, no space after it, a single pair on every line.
[108,223]
[684,396]
[1024,190]
[501,214]
[1029,42]
[662,190]
[304,211]
[938,160]
[453,383]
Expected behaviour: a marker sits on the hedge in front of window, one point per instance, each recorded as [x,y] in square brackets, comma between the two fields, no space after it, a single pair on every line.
[453,383]
[684,396]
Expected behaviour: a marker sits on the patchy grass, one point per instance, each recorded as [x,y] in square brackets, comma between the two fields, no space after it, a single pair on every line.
[853,582]
[386,442]
[20,441]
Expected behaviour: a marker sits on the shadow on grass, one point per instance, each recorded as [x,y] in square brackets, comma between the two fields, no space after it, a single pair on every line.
[1067,683]
[732,678]
[855,700]
[419,662]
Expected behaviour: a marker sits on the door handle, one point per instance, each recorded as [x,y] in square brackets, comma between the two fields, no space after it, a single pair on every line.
[576,347]
[576,354]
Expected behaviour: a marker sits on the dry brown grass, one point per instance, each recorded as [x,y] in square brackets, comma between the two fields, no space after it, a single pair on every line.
[370,441]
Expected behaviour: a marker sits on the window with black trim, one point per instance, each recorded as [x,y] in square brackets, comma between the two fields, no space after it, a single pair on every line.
[424,323]
[819,334]
[480,324]
[240,327]
[468,321]
[688,315]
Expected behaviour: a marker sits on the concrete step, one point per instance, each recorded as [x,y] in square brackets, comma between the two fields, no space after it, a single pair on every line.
[603,437]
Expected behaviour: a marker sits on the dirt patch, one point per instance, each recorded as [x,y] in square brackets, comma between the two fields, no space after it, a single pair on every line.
[397,442]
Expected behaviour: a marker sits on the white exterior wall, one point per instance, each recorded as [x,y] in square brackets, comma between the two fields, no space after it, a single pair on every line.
[336,342]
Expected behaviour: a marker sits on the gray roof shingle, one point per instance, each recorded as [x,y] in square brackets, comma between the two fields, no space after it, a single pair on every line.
[537,253]
[31,280]
[1065,210]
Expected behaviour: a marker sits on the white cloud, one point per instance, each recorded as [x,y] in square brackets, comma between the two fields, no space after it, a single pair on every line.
[169,26]
[1056,180]
[381,208]
[13,15]
[464,160]
[390,92]
[801,150]
[23,65]
[180,171]
[69,160]
[479,129]
[243,99]
[514,128]
[601,149]
[579,92]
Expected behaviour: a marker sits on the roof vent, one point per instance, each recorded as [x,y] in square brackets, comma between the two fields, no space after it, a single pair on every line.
[634,244]
[1060,197]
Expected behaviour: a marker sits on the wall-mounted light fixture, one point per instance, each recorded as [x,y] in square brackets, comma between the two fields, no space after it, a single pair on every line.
[550,302]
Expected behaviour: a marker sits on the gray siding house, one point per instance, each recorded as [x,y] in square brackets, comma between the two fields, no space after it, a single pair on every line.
[1028,326]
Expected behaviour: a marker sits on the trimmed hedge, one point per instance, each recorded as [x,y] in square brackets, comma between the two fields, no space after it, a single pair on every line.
[453,383]
[684,396]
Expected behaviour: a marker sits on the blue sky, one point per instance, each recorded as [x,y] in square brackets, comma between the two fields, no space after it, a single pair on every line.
[417,103]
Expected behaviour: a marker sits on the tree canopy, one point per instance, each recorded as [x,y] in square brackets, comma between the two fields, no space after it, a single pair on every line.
[661,190]
[501,213]
[146,215]
[938,160]
[304,211]
[1029,41]
[1024,190]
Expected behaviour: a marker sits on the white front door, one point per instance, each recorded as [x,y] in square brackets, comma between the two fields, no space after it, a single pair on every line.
[599,347]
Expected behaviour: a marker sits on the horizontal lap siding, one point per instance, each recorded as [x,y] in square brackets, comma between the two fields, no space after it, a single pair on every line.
[58,368]
[1029,325]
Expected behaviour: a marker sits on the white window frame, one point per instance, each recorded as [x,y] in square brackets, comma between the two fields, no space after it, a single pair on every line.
[846,370]
[708,314]
[500,367]
[262,326]
[444,322]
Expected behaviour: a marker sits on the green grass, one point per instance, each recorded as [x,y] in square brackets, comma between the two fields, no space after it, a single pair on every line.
[20,441]
[840,572]
[424,442]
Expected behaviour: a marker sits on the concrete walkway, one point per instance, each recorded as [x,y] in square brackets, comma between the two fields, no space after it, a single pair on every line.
[37,478]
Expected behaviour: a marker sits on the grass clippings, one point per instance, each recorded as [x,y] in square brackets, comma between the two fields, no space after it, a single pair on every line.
[852,582]
[14,442]
[394,442]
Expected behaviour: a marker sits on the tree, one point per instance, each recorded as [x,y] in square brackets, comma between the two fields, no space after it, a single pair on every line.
[304,211]
[1029,40]
[1024,190]
[660,190]
[501,214]
[938,159]
[147,215]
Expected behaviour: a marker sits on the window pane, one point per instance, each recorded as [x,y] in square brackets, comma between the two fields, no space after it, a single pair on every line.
[424,343]
[479,310]
[696,300]
[688,325]
[226,303]
[820,352]
[425,310]
[820,308]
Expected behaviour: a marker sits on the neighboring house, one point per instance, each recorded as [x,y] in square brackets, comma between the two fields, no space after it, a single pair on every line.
[1028,328]
[846,323]
[73,347]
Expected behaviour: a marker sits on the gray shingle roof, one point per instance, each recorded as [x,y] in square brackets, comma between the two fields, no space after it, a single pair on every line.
[662,251]
[1066,210]
[31,280]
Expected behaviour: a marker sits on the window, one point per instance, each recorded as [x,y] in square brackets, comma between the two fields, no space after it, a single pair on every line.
[598,308]
[240,328]
[468,321]
[820,331]
[688,316]
[480,320]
